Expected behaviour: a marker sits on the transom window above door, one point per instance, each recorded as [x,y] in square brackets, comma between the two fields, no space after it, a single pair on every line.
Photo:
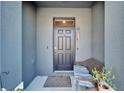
[64,22]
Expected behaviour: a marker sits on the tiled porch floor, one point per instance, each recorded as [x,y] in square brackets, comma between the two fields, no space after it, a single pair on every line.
[38,83]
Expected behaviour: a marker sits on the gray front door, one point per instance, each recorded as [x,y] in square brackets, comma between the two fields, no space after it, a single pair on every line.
[63,48]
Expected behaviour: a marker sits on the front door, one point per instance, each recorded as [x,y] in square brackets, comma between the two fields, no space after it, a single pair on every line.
[63,47]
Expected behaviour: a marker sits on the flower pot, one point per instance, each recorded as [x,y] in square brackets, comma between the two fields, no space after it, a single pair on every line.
[101,86]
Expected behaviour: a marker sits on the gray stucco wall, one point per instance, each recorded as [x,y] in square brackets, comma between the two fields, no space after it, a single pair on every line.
[114,40]
[98,31]
[0,36]
[0,41]
[11,39]
[45,35]
[28,42]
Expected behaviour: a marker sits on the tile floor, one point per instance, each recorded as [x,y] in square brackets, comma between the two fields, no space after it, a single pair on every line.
[38,83]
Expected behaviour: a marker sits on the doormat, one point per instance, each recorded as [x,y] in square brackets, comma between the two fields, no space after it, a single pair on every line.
[58,81]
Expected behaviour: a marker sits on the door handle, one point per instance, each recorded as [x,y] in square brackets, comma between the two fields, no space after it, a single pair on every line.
[55,48]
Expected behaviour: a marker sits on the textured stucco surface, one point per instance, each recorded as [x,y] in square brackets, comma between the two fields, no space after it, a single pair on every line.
[0,41]
[98,31]
[45,35]
[114,40]
[0,37]
[11,43]
[28,42]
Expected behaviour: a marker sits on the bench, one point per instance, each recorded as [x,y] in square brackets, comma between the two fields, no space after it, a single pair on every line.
[89,64]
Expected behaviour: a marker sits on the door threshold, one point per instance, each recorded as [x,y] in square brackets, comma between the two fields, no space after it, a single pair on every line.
[64,71]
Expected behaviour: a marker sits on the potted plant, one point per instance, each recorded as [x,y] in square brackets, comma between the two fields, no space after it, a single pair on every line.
[103,79]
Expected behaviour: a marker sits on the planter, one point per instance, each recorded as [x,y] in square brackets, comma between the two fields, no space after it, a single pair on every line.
[103,86]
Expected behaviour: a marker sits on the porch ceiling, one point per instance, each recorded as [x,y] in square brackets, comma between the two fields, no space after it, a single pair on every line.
[64,4]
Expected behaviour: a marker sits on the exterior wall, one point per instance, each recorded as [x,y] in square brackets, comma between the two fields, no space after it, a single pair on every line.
[0,40]
[45,35]
[11,43]
[28,42]
[114,40]
[0,36]
[98,31]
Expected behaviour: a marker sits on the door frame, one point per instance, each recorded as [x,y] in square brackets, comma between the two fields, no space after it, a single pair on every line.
[62,18]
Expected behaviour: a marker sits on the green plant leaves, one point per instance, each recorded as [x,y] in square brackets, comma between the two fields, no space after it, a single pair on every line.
[105,75]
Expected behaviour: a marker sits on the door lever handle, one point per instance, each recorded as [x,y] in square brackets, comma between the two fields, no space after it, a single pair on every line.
[55,48]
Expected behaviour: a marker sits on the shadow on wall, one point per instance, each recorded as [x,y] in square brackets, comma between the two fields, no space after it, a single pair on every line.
[28,42]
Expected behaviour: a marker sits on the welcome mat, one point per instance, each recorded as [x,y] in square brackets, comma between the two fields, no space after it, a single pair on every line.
[58,81]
